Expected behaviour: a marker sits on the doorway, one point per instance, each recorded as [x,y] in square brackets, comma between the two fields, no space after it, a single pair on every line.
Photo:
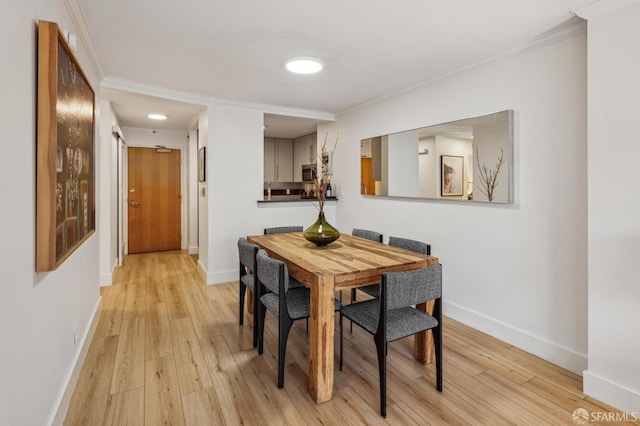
[367,185]
[154,200]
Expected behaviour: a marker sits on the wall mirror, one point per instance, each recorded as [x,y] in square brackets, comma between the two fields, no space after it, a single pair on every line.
[469,159]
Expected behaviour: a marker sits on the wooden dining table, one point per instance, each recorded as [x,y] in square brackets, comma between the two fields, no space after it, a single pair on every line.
[344,264]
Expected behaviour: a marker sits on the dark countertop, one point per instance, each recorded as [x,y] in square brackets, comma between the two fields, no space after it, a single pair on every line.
[291,198]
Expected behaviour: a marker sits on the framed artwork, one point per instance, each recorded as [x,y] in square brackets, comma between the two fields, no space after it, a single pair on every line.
[202,157]
[65,209]
[452,174]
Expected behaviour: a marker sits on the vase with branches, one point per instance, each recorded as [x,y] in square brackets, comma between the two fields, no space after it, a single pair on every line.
[321,232]
[489,177]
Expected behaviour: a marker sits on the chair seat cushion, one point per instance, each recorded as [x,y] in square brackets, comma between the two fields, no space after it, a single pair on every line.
[248,281]
[401,322]
[298,302]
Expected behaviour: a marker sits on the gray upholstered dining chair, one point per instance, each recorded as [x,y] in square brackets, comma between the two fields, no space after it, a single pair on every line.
[248,279]
[282,229]
[413,245]
[392,316]
[369,235]
[372,289]
[285,303]
[405,243]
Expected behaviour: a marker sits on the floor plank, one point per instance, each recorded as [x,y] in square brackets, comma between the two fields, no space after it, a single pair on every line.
[158,335]
[89,400]
[126,408]
[128,372]
[162,401]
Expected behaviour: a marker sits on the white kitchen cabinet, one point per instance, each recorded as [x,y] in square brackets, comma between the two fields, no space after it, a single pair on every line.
[278,160]
[304,152]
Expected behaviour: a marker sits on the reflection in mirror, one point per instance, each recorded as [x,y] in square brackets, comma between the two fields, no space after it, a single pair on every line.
[469,159]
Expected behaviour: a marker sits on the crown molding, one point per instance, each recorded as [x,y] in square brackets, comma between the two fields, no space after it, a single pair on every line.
[191,98]
[80,25]
[570,28]
[602,7]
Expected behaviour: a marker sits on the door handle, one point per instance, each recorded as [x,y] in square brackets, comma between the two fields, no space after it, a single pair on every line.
[134,203]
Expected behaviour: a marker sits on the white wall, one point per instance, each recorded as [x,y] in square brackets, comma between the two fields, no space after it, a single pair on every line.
[107,170]
[402,157]
[613,375]
[38,311]
[518,271]
[428,173]
[203,196]
[491,138]
[235,184]
[192,185]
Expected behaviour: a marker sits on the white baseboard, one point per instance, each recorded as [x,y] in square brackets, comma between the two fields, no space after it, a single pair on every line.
[611,393]
[222,277]
[217,277]
[194,250]
[64,399]
[107,279]
[535,345]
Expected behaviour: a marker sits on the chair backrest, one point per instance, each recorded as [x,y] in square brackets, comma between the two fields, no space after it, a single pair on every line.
[272,272]
[369,235]
[413,245]
[282,229]
[247,254]
[408,288]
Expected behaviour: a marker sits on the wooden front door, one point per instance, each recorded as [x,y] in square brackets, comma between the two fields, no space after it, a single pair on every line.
[153,200]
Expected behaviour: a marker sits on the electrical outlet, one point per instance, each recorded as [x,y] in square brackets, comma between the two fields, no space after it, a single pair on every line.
[75,334]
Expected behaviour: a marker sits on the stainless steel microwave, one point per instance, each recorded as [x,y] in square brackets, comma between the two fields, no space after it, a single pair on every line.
[309,172]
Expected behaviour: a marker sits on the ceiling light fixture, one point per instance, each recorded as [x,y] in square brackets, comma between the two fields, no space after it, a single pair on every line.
[304,65]
[157,116]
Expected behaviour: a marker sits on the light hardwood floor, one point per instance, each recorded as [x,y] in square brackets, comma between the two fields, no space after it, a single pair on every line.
[168,350]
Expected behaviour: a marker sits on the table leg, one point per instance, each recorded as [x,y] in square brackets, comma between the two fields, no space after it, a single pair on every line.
[423,349]
[321,333]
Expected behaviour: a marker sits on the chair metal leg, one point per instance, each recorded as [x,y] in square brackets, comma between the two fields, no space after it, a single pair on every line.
[262,314]
[353,299]
[242,290]
[256,319]
[341,342]
[382,367]
[437,342]
[283,334]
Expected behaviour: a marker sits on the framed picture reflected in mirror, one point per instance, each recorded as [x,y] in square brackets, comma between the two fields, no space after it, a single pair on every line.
[451,175]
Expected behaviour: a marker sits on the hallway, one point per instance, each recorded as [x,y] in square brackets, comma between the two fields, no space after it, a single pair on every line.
[168,350]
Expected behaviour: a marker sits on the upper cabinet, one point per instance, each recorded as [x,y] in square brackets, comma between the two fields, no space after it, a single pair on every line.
[278,160]
[304,152]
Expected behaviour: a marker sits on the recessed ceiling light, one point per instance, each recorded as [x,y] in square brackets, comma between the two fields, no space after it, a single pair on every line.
[157,116]
[304,65]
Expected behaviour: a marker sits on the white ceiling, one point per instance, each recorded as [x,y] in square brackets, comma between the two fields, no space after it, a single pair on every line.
[235,50]
[132,110]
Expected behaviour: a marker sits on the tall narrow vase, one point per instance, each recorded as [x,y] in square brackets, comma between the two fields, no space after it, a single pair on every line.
[321,233]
